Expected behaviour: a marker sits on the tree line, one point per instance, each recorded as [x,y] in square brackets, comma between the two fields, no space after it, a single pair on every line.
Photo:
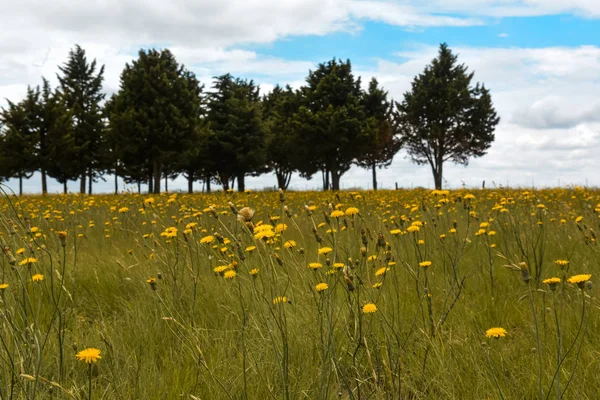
[163,123]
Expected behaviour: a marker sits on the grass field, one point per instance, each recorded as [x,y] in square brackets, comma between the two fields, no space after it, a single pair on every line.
[302,295]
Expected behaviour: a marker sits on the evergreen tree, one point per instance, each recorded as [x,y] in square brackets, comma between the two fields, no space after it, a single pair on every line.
[18,139]
[237,145]
[330,122]
[444,118]
[279,108]
[383,144]
[81,94]
[153,115]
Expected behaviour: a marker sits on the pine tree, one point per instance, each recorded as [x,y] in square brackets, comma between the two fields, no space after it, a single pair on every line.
[444,118]
[153,115]
[18,138]
[81,94]
[279,108]
[330,122]
[237,146]
[383,144]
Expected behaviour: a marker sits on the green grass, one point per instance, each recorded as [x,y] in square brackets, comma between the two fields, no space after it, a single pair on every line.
[201,336]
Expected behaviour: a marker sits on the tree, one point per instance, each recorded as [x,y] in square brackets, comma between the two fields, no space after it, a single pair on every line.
[237,145]
[18,139]
[81,93]
[383,143]
[330,122]
[153,115]
[444,118]
[279,108]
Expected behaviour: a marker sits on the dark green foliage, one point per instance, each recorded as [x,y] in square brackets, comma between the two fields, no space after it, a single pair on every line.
[330,122]
[81,94]
[382,143]
[18,138]
[279,108]
[236,143]
[154,115]
[444,118]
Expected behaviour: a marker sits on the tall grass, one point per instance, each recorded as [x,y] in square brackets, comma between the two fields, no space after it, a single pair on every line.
[172,320]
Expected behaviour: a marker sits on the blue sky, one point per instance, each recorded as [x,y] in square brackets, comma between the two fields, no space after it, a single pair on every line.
[540,59]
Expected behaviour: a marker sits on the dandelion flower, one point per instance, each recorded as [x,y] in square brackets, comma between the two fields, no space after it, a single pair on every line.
[280,299]
[289,244]
[89,355]
[552,282]
[381,271]
[315,265]
[369,308]
[37,278]
[325,250]
[337,214]
[425,264]
[495,333]
[207,239]
[321,286]
[352,211]
[250,248]
[254,271]
[580,279]
[28,260]
[3,286]
[20,251]
[230,274]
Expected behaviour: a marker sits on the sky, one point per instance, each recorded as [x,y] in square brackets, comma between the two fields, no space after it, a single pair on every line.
[539,58]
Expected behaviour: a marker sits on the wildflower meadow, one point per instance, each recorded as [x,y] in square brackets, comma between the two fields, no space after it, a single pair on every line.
[405,294]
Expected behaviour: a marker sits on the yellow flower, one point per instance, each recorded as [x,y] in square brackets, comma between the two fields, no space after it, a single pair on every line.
[338,265]
[169,232]
[250,248]
[207,239]
[321,286]
[381,271]
[280,299]
[551,281]
[89,355]
[230,274]
[495,333]
[62,234]
[254,271]
[20,251]
[3,286]
[352,211]
[123,210]
[28,260]
[325,250]
[580,279]
[372,258]
[579,219]
[37,278]
[425,264]
[336,214]
[34,229]
[315,265]
[377,285]
[396,231]
[289,244]
[149,200]
[280,228]
[369,308]
[413,228]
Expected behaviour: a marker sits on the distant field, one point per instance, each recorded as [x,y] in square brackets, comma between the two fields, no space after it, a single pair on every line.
[303,295]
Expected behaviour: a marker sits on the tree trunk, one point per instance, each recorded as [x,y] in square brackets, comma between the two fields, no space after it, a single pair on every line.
[82,184]
[150,186]
[44,182]
[166,183]
[117,184]
[241,178]
[190,178]
[326,179]
[207,184]
[157,175]
[139,187]
[65,185]
[374,168]
[20,185]
[90,176]
[335,180]
[283,179]
[437,176]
